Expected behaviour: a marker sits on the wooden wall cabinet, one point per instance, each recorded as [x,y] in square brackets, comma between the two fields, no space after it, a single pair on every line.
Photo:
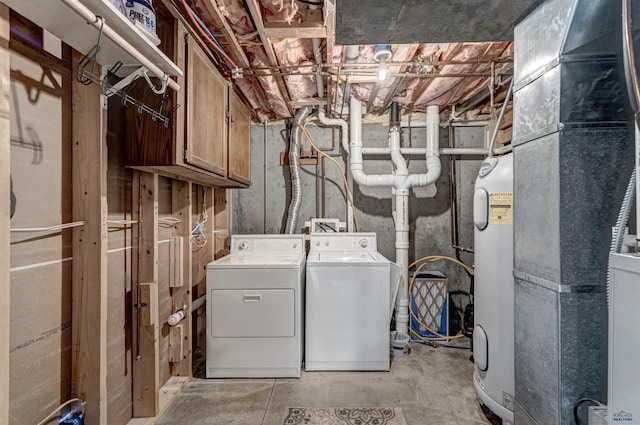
[239,133]
[209,139]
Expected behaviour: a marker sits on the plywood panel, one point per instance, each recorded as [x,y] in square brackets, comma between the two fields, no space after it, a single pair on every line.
[40,283]
[40,335]
[5,110]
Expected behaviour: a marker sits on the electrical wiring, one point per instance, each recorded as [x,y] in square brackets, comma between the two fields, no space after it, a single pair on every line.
[57,409]
[206,34]
[168,221]
[198,235]
[576,407]
[432,258]
[312,3]
[305,131]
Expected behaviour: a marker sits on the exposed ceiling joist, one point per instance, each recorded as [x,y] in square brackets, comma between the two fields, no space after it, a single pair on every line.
[256,16]
[302,30]
[221,21]
[424,85]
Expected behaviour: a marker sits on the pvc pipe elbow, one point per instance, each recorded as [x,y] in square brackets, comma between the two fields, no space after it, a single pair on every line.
[322,117]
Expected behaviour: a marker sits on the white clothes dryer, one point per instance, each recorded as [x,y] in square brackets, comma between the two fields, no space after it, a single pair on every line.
[255,298]
[349,294]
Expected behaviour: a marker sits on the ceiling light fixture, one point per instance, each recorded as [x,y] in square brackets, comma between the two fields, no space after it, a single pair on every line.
[381,55]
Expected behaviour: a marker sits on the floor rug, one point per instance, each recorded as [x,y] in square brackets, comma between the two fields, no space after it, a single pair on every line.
[345,416]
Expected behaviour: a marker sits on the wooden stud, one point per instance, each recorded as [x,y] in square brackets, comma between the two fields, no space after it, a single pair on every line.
[166,394]
[89,152]
[176,346]
[5,213]
[148,301]
[146,373]
[181,209]
[176,262]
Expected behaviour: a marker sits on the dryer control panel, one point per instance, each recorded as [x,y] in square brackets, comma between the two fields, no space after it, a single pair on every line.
[252,244]
[348,242]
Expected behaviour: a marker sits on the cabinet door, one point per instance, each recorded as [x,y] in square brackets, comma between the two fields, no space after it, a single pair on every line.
[206,105]
[239,140]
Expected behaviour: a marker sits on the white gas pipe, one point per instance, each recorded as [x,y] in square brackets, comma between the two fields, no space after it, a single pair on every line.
[400,182]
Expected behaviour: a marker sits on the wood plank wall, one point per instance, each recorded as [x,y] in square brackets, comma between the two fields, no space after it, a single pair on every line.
[118,370]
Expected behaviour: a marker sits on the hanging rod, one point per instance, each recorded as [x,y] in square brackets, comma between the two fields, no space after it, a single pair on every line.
[97,22]
[128,100]
[49,228]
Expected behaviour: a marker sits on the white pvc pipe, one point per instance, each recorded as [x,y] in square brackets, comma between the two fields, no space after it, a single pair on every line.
[335,122]
[423,151]
[95,22]
[423,124]
[394,149]
[176,318]
[400,183]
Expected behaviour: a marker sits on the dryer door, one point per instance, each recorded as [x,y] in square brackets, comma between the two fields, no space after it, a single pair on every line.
[246,313]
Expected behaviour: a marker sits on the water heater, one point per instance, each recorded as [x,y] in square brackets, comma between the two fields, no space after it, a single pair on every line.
[493,334]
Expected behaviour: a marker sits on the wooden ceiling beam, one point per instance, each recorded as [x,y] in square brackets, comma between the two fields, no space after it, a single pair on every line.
[302,30]
[258,21]
[227,32]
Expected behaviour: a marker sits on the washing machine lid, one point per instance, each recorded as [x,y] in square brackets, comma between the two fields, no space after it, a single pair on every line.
[258,261]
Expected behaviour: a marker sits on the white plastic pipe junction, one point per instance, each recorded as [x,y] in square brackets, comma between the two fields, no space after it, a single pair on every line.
[401,182]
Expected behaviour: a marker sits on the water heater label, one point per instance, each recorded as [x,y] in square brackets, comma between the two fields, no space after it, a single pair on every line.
[501,208]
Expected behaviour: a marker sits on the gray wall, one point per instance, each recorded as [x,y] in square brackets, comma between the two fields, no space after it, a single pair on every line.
[262,208]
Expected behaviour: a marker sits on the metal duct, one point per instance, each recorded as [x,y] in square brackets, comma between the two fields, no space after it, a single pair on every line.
[294,169]
[572,156]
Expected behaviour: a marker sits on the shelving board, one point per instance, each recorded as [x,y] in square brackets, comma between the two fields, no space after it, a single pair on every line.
[63,22]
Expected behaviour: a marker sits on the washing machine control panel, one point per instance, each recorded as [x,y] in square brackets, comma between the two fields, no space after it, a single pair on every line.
[251,244]
[363,242]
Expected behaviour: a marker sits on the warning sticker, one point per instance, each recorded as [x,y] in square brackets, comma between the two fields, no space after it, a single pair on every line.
[501,208]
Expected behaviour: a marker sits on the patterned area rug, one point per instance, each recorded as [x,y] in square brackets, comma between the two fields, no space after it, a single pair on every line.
[345,416]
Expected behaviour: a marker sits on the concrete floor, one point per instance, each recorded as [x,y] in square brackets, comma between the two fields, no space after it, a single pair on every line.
[431,385]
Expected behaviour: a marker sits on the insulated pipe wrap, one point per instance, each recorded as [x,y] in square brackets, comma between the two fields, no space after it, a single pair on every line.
[294,169]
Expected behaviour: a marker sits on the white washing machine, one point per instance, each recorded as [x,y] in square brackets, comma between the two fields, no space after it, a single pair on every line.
[255,298]
[350,292]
